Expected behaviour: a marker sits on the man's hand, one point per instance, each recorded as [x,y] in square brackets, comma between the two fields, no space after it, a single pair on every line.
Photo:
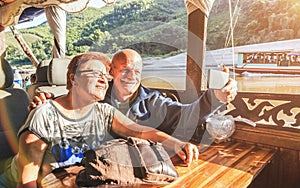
[40,98]
[228,92]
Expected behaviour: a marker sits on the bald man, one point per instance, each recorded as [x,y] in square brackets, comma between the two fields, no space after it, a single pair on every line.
[148,107]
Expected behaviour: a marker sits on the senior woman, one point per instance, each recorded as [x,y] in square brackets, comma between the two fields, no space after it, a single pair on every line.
[58,132]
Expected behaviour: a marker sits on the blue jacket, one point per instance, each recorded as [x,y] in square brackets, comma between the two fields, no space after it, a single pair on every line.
[150,108]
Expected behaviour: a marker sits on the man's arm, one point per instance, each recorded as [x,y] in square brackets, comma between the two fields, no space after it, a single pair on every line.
[184,120]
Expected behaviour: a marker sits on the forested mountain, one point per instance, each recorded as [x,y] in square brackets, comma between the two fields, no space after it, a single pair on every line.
[256,21]
[157,28]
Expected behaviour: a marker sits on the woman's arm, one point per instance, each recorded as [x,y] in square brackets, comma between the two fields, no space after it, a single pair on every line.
[126,127]
[30,158]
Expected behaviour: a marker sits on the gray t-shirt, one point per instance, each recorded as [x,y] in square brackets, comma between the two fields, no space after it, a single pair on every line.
[67,138]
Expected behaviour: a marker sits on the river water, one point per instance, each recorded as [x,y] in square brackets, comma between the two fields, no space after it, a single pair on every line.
[262,83]
[171,72]
[269,83]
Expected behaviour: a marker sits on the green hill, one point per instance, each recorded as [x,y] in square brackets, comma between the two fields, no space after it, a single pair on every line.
[159,28]
[257,22]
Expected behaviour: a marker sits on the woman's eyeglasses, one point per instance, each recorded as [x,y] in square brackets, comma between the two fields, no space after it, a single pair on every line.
[95,74]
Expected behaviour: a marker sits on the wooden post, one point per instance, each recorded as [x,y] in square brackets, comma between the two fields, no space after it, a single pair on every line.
[2,42]
[195,82]
[2,53]
[24,46]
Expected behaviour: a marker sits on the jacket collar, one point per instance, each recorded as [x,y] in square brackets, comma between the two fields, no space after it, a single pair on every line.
[143,93]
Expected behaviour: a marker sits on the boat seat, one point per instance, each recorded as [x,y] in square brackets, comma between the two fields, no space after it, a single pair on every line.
[13,112]
[41,78]
[51,77]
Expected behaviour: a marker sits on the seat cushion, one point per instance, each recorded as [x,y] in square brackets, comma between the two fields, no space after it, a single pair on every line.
[13,114]
[55,90]
[51,77]
[6,74]
[57,71]
[33,88]
[41,71]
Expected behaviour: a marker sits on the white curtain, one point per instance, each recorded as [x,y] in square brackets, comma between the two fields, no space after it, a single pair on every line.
[10,12]
[58,23]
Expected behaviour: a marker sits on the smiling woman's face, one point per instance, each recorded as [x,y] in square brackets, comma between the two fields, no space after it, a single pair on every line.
[90,81]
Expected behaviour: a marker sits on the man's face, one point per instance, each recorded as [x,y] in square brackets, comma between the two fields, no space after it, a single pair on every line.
[127,75]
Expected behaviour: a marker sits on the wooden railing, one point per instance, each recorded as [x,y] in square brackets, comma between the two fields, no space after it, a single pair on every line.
[277,118]
[279,110]
[278,126]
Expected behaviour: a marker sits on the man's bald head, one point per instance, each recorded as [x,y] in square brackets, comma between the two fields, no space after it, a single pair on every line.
[126,56]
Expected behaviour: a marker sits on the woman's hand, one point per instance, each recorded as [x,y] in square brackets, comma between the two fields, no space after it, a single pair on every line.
[188,153]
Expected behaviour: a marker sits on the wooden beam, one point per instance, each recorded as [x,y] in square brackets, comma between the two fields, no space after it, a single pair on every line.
[266,135]
[24,46]
[2,43]
[197,23]
[2,54]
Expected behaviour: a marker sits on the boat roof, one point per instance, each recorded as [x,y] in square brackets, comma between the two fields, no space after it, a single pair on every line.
[12,11]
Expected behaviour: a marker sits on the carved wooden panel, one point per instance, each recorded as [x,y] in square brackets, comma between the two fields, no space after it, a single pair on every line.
[282,110]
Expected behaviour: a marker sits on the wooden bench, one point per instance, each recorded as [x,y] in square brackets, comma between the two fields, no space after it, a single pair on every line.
[229,164]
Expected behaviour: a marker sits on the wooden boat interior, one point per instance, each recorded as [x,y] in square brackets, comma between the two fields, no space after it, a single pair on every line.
[277,116]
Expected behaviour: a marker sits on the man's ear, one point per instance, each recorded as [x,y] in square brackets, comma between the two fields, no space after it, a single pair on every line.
[111,71]
[72,79]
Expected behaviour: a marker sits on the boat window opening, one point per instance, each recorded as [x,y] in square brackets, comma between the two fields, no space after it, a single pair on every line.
[161,39]
[159,31]
[156,29]
[266,52]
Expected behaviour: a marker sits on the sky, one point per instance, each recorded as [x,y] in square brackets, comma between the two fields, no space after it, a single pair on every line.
[96,3]
[42,18]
